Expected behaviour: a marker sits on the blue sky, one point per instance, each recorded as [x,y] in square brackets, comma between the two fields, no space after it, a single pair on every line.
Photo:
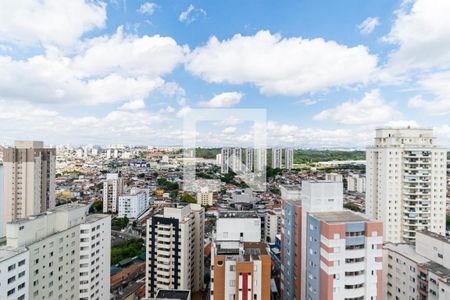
[127,72]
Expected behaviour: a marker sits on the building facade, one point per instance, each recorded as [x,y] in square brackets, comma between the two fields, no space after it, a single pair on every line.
[205,197]
[327,252]
[356,183]
[417,272]
[14,273]
[60,266]
[95,257]
[29,180]
[112,189]
[240,263]
[406,182]
[133,205]
[175,250]
[289,158]
[277,158]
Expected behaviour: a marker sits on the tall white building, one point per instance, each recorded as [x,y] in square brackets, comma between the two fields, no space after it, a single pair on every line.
[420,272]
[272,225]
[277,158]
[249,159]
[112,189]
[65,261]
[236,159]
[225,160]
[133,204]
[260,160]
[95,257]
[14,273]
[406,182]
[356,183]
[29,180]
[289,158]
[175,250]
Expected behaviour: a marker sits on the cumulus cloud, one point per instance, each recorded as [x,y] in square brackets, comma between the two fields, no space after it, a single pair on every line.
[422,33]
[134,105]
[228,99]
[184,111]
[147,8]
[107,69]
[438,85]
[129,55]
[191,14]
[229,130]
[49,22]
[277,65]
[368,25]
[371,109]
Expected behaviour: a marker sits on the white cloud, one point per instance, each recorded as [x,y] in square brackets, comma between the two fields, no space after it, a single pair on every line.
[52,22]
[191,14]
[107,69]
[228,99]
[437,84]
[184,111]
[287,66]
[129,55]
[51,79]
[169,109]
[368,25]
[229,130]
[371,109]
[133,105]
[309,102]
[147,8]
[422,32]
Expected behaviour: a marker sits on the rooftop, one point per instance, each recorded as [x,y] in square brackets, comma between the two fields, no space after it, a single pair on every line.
[407,251]
[435,235]
[8,251]
[238,214]
[340,216]
[173,294]
[438,269]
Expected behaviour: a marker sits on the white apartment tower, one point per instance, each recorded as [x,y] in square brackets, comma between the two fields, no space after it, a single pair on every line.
[205,197]
[277,156]
[249,159]
[68,253]
[225,160]
[29,180]
[236,160]
[134,204]
[260,160]
[95,257]
[14,271]
[289,158]
[112,189]
[406,182]
[175,250]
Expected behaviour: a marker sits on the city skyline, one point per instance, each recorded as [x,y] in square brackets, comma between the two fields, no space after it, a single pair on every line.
[390,68]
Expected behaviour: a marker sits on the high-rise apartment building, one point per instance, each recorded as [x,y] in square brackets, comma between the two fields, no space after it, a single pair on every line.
[95,257]
[328,252]
[236,160]
[134,204]
[175,250]
[225,160]
[14,273]
[29,180]
[289,158]
[67,254]
[240,263]
[112,189]
[272,225]
[277,158]
[260,160]
[406,182]
[356,183]
[249,159]
[417,272]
